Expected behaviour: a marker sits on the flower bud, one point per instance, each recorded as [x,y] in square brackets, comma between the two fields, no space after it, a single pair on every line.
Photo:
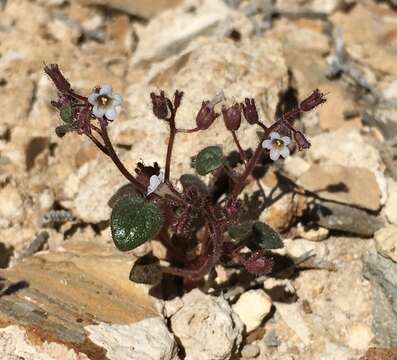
[301,140]
[160,106]
[206,115]
[232,117]
[249,111]
[315,99]
[62,85]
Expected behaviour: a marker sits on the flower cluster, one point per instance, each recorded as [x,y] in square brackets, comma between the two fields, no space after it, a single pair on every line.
[202,220]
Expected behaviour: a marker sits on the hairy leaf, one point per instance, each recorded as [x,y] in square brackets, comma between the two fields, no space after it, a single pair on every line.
[265,236]
[134,221]
[208,159]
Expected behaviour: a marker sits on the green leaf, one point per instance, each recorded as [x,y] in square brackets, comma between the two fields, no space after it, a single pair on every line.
[265,236]
[208,159]
[134,221]
[241,232]
[66,114]
[188,180]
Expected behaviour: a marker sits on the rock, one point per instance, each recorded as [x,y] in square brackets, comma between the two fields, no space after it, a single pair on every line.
[349,149]
[365,46]
[146,339]
[359,336]
[343,184]
[312,234]
[390,209]
[52,296]
[345,218]
[11,203]
[141,8]
[174,30]
[92,187]
[282,213]
[15,344]
[292,316]
[390,92]
[250,351]
[386,242]
[252,307]
[327,6]
[271,339]
[295,166]
[336,352]
[380,354]
[382,273]
[219,329]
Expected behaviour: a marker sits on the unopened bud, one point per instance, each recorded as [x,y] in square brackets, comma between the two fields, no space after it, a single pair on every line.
[62,85]
[249,111]
[160,106]
[315,99]
[301,140]
[206,115]
[232,117]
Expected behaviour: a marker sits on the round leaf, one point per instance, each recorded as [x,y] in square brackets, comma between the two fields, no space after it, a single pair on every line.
[134,221]
[208,159]
[66,114]
[266,237]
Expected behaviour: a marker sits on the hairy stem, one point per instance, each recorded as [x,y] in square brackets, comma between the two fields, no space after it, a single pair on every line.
[240,149]
[112,154]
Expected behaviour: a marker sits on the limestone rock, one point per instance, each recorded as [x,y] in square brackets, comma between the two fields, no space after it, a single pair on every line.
[141,8]
[252,307]
[340,217]
[54,295]
[382,273]
[144,340]
[343,184]
[206,327]
[386,241]
[11,203]
[390,208]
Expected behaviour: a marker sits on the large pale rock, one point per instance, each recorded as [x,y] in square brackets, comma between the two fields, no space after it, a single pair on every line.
[252,307]
[141,8]
[206,327]
[54,295]
[144,340]
[172,31]
[343,184]
[349,149]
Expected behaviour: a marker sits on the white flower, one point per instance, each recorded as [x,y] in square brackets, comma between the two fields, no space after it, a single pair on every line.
[278,145]
[104,102]
[154,182]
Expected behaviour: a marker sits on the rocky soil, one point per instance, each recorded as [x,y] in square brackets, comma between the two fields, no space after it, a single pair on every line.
[64,289]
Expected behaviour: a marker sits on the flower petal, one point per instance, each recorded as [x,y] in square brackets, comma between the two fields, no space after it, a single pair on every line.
[117,99]
[105,89]
[267,144]
[98,112]
[274,135]
[284,152]
[93,98]
[274,154]
[111,113]
[286,140]
[154,183]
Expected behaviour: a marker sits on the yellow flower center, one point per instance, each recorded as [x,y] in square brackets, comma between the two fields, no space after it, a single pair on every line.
[278,143]
[103,100]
